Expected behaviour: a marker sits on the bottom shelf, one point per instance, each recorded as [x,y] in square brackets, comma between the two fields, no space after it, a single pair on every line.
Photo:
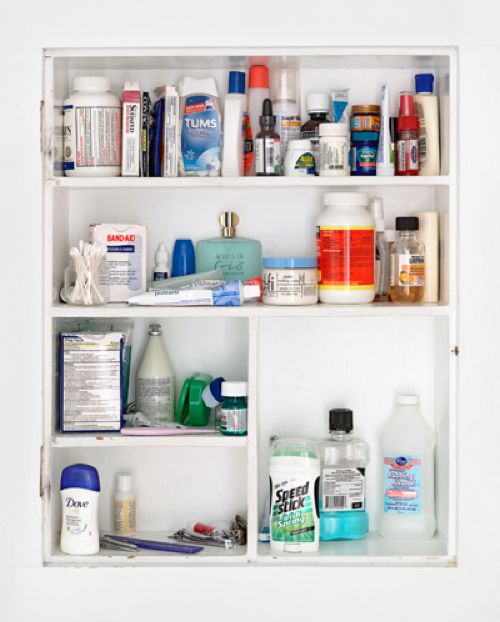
[371,551]
[210,555]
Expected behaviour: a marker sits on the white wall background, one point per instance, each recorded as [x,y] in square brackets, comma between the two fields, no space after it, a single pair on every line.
[28,591]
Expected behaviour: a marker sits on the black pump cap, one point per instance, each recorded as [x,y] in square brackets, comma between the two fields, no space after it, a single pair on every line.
[341,420]
[267,113]
[407,223]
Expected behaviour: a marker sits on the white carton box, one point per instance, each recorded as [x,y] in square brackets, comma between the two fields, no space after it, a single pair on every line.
[125,258]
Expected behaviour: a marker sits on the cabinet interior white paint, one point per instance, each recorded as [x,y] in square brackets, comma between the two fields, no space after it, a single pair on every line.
[299,361]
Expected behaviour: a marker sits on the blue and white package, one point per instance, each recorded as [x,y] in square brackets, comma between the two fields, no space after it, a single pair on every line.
[201,127]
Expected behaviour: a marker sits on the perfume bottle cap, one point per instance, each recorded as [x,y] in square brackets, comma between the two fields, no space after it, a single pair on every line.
[228,222]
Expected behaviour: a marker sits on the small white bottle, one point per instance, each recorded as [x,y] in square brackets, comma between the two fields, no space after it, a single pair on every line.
[161,271]
[155,381]
[428,235]
[333,150]
[80,489]
[233,136]
[407,445]
[286,107]
[426,107]
[258,91]
[124,505]
[382,257]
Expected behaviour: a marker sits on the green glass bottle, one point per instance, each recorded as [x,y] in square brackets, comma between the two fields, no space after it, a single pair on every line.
[238,258]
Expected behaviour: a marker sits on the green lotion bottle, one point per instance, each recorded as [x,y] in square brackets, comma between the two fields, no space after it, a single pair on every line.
[238,258]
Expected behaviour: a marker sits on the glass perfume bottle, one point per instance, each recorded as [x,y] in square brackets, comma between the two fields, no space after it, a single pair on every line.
[238,258]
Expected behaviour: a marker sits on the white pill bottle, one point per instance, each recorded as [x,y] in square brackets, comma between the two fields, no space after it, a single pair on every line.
[92,129]
[80,489]
[345,246]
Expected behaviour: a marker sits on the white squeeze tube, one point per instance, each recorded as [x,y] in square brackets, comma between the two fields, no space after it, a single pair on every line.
[385,157]
[207,294]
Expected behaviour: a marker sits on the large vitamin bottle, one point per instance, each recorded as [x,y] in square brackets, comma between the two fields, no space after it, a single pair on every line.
[345,245]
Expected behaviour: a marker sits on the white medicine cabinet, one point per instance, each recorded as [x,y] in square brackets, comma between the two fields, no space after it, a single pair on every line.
[299,361]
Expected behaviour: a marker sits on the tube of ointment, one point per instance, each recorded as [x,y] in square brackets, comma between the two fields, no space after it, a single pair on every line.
[340,101]
[179,282]
[385,156]
[228,294]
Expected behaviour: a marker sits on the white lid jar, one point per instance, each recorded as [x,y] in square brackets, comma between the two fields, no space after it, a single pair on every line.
[345,242]
[299,159]
[333,150]
[92,129]
[290,280]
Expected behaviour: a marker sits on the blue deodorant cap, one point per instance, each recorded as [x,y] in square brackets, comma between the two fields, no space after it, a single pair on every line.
[80,476]
[424,83]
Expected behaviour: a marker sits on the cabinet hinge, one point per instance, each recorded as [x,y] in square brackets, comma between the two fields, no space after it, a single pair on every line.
[42,126]
[455,350]
[42,471]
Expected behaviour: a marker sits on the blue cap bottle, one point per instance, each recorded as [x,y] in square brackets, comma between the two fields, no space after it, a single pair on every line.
[236,82]
[424,82]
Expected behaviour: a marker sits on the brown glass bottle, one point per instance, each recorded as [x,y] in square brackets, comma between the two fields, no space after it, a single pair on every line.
[267,144]
[407,263]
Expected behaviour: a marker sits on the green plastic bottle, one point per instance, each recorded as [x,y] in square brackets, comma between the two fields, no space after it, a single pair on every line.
[233,410]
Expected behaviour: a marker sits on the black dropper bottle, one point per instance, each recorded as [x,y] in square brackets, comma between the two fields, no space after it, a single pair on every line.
[267,144]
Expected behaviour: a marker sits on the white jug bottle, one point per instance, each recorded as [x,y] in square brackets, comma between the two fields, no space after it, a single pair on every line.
[407,444]
[155,381]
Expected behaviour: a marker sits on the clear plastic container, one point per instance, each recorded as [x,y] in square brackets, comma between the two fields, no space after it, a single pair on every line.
[407,445]
[407,280]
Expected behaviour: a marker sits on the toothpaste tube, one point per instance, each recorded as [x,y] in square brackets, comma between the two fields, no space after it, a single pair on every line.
[209,294]
[171,133]
[131,129]
[340,102]
[180,282]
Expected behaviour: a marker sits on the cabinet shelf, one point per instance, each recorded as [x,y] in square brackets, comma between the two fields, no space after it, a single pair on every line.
[253,310]
[114,439]
[244,182]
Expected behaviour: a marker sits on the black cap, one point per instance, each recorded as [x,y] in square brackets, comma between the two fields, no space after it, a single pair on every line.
[341,419]
[267,112]
[392,127]
[407,223]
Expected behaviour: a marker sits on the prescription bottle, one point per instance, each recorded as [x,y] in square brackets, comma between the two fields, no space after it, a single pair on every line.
[345,245]
[333,150]
[92,129]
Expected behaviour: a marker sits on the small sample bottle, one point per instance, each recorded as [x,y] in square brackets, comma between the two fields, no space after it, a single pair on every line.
[233,410]
[317,105]
[155,380]
[382,258]
[343,514]
[267,144]
[407,263]
[407,445]
[124,505]
[80,489]
[284,88]
[407,161]
[238,258]
[161,271]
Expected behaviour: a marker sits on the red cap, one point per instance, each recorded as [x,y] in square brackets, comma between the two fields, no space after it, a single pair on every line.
[406,105]
[259,77]
[407,123]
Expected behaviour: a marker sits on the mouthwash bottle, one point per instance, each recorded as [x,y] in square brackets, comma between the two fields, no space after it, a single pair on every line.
[343,514]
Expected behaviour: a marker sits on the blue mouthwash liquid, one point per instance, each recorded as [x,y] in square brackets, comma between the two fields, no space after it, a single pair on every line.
[343,514]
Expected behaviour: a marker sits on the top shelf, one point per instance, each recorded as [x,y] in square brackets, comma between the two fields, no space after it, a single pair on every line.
[244,182]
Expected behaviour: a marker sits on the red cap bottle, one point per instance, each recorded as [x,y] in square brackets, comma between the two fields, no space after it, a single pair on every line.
[407,119]
[259,77]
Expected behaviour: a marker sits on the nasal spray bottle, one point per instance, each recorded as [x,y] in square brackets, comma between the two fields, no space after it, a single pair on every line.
[294,482]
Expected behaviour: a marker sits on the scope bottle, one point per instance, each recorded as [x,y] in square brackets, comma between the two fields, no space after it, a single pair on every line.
[344,458]
[407,445]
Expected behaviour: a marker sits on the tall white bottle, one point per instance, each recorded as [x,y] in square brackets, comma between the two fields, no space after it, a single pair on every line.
[155,381]
[258,91]
[426,106]
[233,135]
[428,235]
[407,444]
[286,107]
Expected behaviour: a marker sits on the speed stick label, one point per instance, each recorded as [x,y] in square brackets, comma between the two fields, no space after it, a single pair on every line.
[346,257]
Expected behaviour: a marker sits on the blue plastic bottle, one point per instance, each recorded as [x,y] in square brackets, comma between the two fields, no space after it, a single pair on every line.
[343,514]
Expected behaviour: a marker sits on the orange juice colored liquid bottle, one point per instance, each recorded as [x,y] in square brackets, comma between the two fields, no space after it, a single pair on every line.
[407,263]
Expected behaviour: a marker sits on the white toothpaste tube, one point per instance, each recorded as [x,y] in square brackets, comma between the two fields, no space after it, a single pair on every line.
[213,294]
[188,280]
[131,129]
[385,157]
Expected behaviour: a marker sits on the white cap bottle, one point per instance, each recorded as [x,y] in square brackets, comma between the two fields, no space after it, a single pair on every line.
[124,505]
[284,90]
[161,270]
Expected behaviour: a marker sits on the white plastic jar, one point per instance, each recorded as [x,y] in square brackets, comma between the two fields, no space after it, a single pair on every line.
[290,281]
[299,159]
[333,150]
[92,129]
[345,243]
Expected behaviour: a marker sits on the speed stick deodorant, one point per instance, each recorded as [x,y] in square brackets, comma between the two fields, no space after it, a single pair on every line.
[294,515]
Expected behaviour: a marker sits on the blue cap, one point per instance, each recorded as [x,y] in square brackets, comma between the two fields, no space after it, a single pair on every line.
[290,262]
[236,82]
[362,136]
[80,476]
[183,261]
[424,82]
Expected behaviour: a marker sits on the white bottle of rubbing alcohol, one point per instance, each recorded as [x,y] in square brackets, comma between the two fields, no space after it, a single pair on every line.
[155,381]
[407,445]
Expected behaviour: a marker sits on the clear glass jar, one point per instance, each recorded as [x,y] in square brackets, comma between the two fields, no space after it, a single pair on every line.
[407,263]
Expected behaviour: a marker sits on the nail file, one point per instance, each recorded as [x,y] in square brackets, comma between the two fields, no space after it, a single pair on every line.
[155,545]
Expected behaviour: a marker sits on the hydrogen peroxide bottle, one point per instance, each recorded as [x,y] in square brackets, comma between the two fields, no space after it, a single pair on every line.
[343,514]
[294,483]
